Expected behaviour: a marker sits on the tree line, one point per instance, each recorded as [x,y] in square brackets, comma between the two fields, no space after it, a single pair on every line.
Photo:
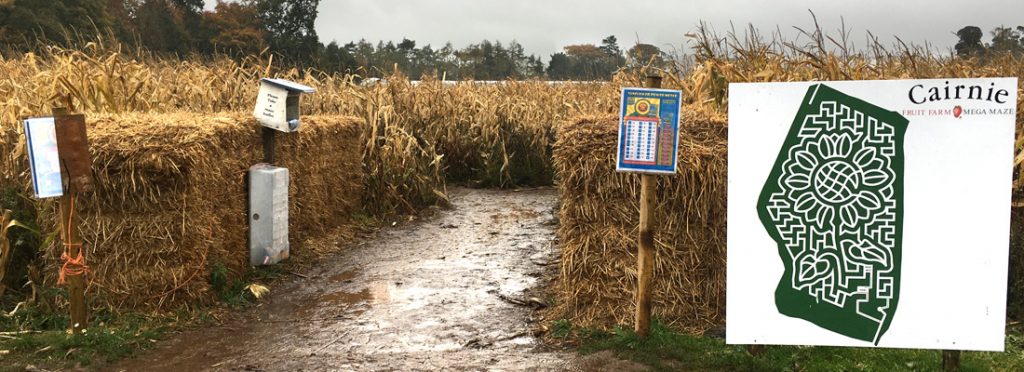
[285,28]
[1004,40]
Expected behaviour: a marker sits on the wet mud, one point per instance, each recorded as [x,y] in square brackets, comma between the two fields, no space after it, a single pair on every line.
[456,291]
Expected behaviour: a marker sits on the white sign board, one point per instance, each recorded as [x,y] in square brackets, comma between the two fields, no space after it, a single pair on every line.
[274,109]
[870,213]
[41,138]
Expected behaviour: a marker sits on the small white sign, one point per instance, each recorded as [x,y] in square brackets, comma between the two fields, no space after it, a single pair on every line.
[44,160]
[870,213]
[274,109]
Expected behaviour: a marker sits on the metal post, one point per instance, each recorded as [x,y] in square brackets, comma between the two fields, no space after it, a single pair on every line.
[645,254]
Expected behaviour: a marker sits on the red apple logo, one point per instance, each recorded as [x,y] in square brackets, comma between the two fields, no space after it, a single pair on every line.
[957,111]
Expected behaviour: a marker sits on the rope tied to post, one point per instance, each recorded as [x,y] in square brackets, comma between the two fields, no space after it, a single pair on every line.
[73,265]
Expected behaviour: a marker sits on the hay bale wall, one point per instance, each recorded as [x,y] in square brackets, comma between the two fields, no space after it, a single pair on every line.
[171,199]
[599,227]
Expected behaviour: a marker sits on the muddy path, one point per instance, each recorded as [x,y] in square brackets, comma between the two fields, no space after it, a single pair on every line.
[450,292]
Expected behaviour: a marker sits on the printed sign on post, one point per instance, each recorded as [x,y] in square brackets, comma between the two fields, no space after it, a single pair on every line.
[648,130]
[277,104]
[43,157]
[870,213]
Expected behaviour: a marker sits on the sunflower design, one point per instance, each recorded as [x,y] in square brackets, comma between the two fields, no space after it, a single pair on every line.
[833,203]
[831,184]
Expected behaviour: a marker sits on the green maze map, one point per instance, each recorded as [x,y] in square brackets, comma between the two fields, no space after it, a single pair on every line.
[834,205]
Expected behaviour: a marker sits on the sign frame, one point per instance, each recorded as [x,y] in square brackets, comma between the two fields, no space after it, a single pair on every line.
[668,119]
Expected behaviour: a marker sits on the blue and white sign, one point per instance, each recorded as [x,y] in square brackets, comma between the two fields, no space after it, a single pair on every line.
[648,130]
[41,136]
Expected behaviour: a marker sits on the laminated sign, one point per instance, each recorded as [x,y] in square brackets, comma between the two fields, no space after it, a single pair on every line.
[43,157]
[648,130]
[870,213]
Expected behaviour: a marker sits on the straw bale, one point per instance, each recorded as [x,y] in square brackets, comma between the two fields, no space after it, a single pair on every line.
[171,199]
[599,226]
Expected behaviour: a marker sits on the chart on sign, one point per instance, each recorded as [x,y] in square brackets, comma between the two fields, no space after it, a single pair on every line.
[641,145]
[648,130]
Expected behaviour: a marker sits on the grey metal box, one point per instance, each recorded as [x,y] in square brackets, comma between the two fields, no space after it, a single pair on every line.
[268,214]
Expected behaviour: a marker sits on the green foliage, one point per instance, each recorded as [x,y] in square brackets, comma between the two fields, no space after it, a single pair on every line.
[587,61]
[25,242]
[111,338]
[233,293]
[23,22]
[218,276]
[289,26]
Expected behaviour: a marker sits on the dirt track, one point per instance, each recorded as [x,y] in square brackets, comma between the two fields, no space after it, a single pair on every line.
[431,295]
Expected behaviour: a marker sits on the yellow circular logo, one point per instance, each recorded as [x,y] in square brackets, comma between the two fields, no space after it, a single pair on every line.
[643,107]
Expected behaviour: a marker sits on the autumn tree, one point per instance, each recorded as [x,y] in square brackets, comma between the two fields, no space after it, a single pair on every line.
[161,27]
[644,54]
[233,28]
[289,26]
[24,23]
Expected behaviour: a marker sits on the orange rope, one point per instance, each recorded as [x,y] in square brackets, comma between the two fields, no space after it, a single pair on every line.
[73,266]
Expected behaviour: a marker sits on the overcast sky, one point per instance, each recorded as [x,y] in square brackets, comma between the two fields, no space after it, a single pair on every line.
[545,26]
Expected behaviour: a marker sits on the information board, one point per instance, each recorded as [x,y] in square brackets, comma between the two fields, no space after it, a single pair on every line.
[44,160]
[648,130]
[870,213]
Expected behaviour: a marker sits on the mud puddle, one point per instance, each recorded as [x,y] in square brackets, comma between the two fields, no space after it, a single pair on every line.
[452,292]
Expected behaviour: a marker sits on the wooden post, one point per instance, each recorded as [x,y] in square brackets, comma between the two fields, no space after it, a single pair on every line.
[269,136]
[756,349]
[76,283]
[645,254]
[72,243]
[951,360]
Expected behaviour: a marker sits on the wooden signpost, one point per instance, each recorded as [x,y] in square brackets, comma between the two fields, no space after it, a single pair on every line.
[648,143]
[73,149]
[645,253]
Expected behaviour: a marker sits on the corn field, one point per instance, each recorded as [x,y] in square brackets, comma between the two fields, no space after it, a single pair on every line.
[420,134]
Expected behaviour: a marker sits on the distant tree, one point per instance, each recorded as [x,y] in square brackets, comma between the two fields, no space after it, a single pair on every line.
[610,46]
[588,62]
[289,26]
[233,28]
[1007,40]
[970,42]
[160,27]
[24,23]
[560,67]
[646,53]
[339,58]
[535,66]
[191,13]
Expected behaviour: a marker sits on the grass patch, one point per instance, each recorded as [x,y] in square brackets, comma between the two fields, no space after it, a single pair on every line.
[49,344]
[668,350]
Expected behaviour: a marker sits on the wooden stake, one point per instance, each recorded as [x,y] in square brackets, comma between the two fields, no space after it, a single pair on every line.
[645,254]
[755,350]
[951,360]
[76,283]
[73,243]
[269,136]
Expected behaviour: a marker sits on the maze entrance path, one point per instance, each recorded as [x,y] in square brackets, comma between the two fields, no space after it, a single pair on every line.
[426,295]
